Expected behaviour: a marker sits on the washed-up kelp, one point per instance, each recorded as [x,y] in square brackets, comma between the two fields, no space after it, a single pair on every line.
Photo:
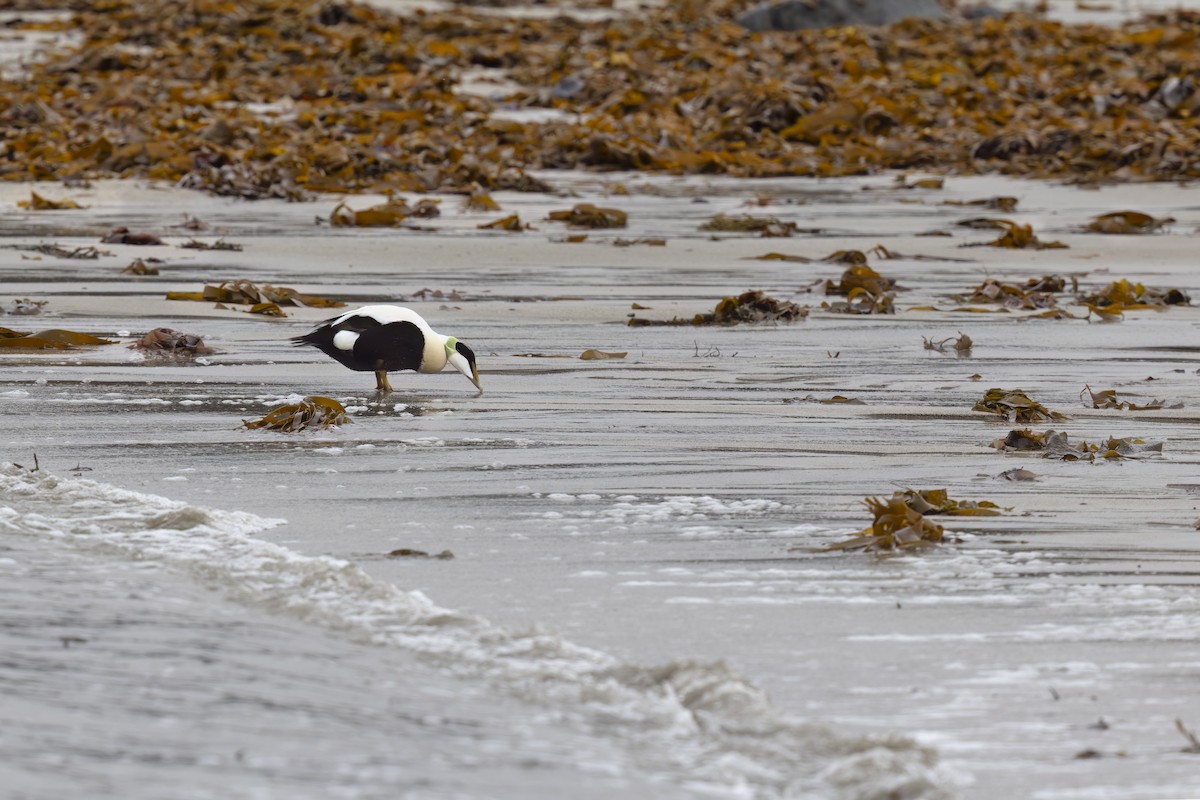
[479,200]
[1107,398]
[408,552]
[243,292]
[1015,237]
[835,400]
[867,292]
[900,521]
[586,215]
[1003,203]
[752,306]
[219,244]
[139,267]
[641,240]
[58,251]
[123,235]
[53,339]
[1127,222]
[38,203]
[763,226]
[511,223]
[1015,406]
[591,354]
[858,277]
[313,411]
[1057,444]
[26,307]
[172,342]
[1125,295]
[385,215]
[960,344]
[794,259]
[1034,294]
[285,98]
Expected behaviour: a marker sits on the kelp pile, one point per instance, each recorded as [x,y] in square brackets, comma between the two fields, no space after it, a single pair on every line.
[1107,398]
[587,215]
[1015,406]
[866,291]
[314,411]
[747,223]
[276,98]
[1124,295]
[389,214]
[750,307]
[1034,295]
[1127,222]
[266,299]
[1057,444]
[170,342]
[961,344]
[1015,236]
[53,339]
[900,521]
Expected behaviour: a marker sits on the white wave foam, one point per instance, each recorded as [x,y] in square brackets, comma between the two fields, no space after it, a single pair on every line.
[685,718]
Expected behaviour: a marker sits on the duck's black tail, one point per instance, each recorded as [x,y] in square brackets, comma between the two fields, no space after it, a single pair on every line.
[313,338]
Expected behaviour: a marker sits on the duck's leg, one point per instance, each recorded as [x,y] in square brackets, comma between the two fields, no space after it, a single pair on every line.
[381,382]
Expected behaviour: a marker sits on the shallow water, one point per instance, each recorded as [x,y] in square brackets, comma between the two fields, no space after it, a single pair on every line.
[658,512]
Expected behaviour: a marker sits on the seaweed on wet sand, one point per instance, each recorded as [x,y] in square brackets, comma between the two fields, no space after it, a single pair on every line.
[960,345]
[1034,294]
[260,299]
[749,307]
[313,411]
[172,342]
[26,307]
[37,202]
[408,552]
[1015,236]
[1111,302]
[900,522]
[1058,445]
[1107,398]
[219,244]
[746,223]
[1015,406]
[53,339]
[123,235]
[389,214]
[587,215]
[1127,222]
[139,267]
[866,291]
[512,223]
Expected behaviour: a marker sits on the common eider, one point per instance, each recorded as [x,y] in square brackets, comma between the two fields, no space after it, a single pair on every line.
[383,339]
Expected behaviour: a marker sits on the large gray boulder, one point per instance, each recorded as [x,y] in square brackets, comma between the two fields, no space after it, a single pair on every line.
[794,15]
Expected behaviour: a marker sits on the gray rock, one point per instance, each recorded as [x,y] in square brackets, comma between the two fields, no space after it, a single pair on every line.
[794,15]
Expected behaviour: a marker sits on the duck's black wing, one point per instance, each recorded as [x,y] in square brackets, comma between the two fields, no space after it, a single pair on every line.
[379,346]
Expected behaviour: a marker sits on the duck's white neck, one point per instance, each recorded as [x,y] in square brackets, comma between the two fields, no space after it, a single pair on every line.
[434,357]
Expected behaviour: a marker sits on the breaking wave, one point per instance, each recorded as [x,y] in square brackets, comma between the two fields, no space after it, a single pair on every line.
[697,721]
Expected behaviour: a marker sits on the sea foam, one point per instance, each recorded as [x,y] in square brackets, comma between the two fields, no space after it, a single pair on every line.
[686,719]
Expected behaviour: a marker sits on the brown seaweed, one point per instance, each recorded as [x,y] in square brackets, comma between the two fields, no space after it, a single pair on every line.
[173,342]
[587,215]
[900,521]
[1015,406]
[313,411]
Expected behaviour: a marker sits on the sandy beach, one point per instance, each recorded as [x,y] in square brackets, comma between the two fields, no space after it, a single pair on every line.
[667,507]
[636,595]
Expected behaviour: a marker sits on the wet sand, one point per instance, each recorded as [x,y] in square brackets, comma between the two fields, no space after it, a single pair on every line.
[666,506]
